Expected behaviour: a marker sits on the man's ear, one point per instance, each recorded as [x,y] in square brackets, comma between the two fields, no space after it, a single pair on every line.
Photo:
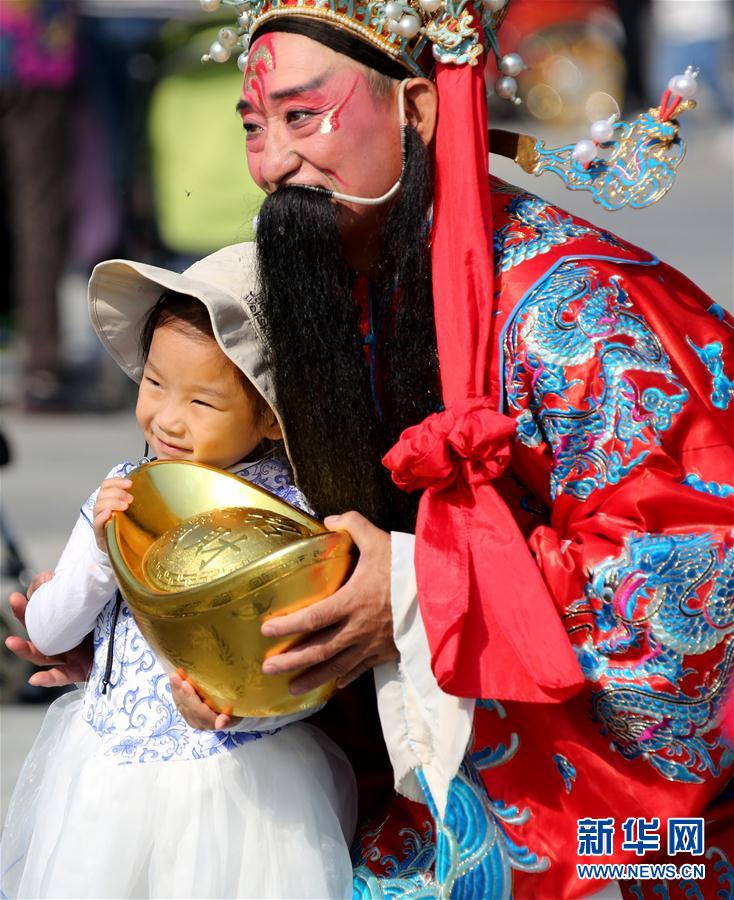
[421,107]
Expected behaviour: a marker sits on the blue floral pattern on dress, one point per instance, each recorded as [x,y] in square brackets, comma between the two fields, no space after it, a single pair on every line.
[136,719]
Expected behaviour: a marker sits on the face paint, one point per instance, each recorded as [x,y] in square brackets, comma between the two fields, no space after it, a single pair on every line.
[330,122]
[312,119]
[261,62]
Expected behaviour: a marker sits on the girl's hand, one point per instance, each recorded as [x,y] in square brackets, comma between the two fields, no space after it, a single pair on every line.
[194,710]
[113,495]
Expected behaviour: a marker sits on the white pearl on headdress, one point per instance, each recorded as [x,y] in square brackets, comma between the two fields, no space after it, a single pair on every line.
[244,20]
[227,37]
[210,5]
[430,6]
[242,60]
[684,85]
[219,53]
[584,152]
[393,10]
[506,87]
[511,64]
[409,25]
[602,131]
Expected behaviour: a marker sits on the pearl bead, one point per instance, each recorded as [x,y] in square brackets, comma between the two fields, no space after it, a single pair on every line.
[409,25]
[602,131]
[244,20]
[393,10]
[506,87]
[393,27]
[219,53]
[227,37]
[683,85]
[495,5]
[584,152]
[511,64]
[210,5]
[430,6]
[242,60]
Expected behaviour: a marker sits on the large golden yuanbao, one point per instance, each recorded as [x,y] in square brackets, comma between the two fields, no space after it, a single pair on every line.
[203,558]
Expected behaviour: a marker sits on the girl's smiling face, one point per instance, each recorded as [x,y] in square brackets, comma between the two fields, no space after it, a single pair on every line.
[192,403]
[312,118]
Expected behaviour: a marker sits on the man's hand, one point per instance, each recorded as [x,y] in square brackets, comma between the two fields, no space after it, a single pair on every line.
[113,495]
[194,710]
[66,668]
[351,631]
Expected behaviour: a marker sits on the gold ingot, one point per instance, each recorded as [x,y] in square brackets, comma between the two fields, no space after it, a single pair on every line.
[203,558]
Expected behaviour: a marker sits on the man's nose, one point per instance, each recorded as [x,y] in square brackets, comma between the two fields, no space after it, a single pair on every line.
[279,160]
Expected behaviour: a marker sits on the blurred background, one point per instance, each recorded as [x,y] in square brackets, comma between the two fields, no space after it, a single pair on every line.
[117,142]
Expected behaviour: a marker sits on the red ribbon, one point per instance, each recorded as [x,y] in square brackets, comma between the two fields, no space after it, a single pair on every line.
[491,624]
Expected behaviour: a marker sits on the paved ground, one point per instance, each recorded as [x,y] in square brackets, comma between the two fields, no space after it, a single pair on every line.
[58,461]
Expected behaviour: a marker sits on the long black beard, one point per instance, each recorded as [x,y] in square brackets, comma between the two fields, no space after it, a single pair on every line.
[336,435]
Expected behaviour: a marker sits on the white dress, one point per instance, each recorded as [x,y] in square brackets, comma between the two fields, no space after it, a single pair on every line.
[119,797]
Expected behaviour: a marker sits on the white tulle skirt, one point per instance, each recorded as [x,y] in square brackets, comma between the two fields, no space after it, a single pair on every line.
[271,818]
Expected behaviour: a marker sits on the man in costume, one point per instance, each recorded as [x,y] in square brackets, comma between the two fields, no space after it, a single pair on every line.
[563,405]
[569,406]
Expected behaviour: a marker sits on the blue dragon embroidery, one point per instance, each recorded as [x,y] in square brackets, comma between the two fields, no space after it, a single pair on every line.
[669,597]
[597,436]
[465,855]
[712,488]
[722,387]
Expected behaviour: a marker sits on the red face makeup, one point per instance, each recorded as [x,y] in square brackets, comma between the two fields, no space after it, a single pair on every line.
[311,118]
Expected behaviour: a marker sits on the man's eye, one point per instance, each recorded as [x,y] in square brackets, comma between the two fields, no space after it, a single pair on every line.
[298,115]
[251,128]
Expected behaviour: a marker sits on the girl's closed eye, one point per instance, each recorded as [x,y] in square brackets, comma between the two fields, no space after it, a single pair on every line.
[152,381]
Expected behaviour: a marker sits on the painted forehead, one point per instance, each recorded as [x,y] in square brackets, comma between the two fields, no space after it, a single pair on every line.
[281,66]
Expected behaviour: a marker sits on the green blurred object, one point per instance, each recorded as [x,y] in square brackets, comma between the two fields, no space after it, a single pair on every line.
[204,196]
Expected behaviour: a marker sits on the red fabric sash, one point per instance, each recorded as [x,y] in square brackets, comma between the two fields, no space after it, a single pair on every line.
[491,624]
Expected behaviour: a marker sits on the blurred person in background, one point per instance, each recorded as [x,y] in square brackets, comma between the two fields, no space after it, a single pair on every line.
[38,61]
[695,33]
[634,15]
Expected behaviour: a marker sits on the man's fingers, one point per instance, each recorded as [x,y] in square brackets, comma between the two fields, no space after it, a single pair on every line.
[337,667]
[58,676]
[358,670]
[313,618]
[38,580]
[18,603]
[326,644]
[359,528]
[26,650]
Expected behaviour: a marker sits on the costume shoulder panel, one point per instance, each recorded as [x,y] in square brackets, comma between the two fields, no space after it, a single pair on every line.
[526,227]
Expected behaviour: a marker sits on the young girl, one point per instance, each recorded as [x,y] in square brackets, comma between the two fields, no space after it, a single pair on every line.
[119,796]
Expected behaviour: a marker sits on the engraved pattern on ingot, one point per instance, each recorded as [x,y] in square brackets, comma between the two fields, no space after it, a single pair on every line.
[210,545]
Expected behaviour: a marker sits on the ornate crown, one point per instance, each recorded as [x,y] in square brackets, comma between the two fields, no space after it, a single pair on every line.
[411,32]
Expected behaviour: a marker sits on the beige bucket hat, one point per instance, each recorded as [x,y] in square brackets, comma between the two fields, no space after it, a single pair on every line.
[122,293]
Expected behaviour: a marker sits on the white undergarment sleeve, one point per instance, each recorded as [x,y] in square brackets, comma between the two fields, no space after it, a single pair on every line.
[63,611]
[423,726]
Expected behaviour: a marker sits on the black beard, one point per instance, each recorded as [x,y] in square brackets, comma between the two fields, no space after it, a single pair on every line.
[336,435]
